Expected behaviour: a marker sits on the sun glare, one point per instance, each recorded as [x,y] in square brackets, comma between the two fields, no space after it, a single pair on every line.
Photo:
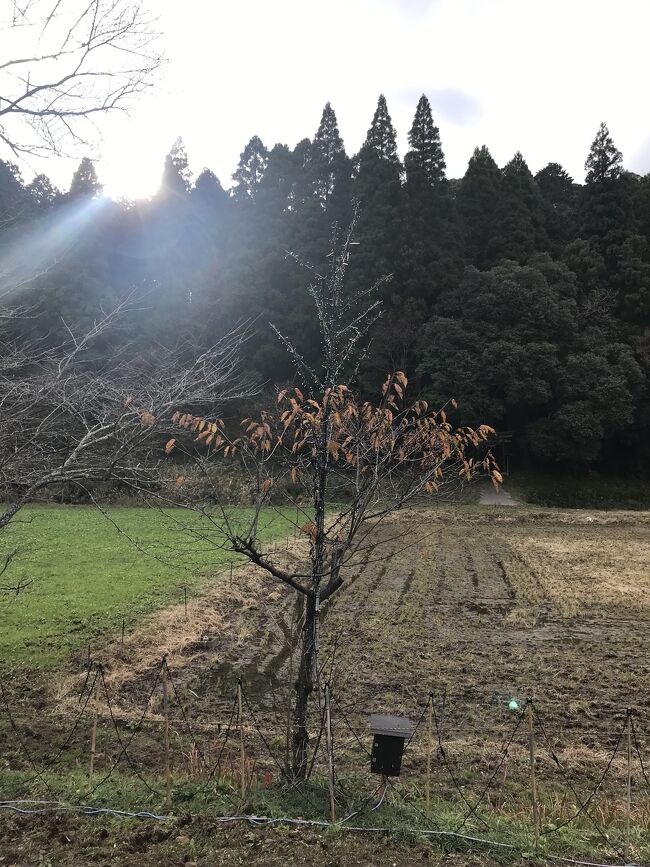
[133,156]
[130,179]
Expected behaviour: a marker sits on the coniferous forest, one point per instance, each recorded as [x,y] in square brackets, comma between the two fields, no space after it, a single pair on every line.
[524,297]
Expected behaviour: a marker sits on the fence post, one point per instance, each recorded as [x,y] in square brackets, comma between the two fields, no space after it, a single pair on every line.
[287,728]
[330,752]
[628,804]
[242,747]
[533,779]
[427,790]
[168,774]
[93,732]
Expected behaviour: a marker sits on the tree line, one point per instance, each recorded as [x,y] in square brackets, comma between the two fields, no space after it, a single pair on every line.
[524,297]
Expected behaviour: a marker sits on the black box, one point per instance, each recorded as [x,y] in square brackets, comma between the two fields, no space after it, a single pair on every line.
[389,732]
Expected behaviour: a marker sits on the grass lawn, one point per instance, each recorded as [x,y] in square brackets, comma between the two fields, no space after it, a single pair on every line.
[88,574]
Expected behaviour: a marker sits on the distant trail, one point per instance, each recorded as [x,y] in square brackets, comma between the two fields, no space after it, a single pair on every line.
[489,496]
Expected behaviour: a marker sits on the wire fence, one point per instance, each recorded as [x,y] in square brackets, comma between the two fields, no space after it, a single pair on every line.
[521,770]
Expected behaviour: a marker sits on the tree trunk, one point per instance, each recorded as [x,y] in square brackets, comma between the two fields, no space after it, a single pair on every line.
[304,687]
[308,671]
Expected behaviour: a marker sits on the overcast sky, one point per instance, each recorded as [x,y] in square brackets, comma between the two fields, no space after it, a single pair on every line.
[531,75]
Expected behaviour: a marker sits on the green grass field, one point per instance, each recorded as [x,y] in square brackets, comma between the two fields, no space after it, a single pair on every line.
[87,573]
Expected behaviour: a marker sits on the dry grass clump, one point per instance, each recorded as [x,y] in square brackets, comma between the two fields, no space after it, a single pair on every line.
[227,618]
[579,569]
[472,612]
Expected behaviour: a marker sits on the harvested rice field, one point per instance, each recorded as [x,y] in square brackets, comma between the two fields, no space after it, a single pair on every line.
[473,609]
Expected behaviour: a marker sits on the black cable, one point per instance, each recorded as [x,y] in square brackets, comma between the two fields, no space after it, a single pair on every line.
[457,786]
[259,731]
[638,751]
[21,742]
[124,748]
[583,806]
[442,709]
[359,699]
[349,725]
[318,741]
[419,722]
[295,785]
[413,806]
[49,763]
[502,759]
[201,755]
[85,683]
[363,805]
[184,715]
[217,765]
[108,775]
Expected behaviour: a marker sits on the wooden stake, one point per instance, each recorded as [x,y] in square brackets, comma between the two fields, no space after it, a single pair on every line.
[427,790]
[168,773]
[123,626]
[185,599]
[287,743]
[231,574]
[93,735]
[330,752]
[242,746]
[628,804]
[533,779]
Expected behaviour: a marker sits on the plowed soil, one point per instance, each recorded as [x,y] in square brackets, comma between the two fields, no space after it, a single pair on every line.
[479,607]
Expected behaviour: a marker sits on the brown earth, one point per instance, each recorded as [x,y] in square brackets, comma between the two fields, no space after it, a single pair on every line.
[73,842]
[510,603]
[476,606]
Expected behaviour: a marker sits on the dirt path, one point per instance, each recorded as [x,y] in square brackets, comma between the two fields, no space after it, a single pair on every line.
[490,496]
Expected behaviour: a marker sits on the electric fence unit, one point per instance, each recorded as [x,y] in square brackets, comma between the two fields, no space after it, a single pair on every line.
[389,732]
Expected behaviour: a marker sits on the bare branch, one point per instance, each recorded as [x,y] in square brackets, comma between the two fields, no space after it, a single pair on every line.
[73,61]
[378,457]
[65,420]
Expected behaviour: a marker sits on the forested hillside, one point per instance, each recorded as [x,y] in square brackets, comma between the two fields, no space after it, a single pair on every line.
[525,297]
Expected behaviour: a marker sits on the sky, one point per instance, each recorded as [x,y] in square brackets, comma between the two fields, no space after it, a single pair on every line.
[531,75]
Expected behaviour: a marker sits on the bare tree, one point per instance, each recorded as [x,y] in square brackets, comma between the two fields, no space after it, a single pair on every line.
[72,415]
[67,62]
[375,457]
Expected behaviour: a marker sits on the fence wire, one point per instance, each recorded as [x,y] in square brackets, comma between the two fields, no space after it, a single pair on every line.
[249,739]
